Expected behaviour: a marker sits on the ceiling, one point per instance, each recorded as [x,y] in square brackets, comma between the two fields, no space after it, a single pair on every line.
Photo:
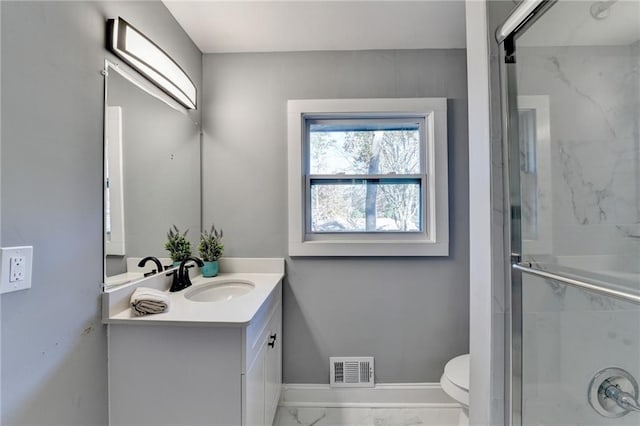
[304,25]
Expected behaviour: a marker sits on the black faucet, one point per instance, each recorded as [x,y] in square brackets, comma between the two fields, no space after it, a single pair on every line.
[183,272]
[154,260]
[181,280]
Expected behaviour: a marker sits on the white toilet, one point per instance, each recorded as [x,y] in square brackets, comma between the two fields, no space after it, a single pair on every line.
[455,383]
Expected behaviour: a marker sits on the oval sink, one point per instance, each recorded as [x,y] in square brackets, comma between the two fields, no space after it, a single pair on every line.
[219,291]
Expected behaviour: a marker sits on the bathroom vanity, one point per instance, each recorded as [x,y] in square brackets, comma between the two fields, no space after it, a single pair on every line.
[215,358]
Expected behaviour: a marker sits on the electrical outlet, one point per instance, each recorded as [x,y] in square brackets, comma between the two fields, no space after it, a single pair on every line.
[15,268]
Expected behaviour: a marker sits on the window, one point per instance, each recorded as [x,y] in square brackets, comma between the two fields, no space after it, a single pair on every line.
[535,174]
[368,177]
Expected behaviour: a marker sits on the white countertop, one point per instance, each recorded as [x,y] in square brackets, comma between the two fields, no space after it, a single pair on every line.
[182,311]
[237,312]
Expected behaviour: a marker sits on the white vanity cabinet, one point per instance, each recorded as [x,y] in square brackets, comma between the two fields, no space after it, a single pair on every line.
[197,373]
[263,375]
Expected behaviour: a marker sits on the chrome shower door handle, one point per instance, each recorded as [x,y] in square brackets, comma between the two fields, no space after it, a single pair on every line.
[613,392]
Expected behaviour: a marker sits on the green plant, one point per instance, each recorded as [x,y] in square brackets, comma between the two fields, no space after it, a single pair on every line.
[211,246]
[177,244]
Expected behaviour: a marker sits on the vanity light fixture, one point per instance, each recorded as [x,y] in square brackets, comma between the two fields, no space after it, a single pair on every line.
[150,60]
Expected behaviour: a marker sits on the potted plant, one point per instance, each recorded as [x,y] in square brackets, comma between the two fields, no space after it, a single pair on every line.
[210,249]
[178,246]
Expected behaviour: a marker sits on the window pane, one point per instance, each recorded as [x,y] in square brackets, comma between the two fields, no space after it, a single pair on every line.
[366,146]
[365,207]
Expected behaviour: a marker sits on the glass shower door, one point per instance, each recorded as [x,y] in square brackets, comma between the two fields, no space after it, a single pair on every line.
[568,336]
[573,94]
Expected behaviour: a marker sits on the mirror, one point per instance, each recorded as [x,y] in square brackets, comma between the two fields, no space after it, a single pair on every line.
[152,173]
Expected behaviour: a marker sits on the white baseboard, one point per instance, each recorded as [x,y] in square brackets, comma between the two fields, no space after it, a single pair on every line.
[385,395]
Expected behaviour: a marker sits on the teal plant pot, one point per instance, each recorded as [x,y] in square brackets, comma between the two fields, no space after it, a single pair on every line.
[176,263]
[210,269]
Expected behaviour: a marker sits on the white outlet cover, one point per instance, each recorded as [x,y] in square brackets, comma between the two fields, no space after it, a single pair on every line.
[6,285]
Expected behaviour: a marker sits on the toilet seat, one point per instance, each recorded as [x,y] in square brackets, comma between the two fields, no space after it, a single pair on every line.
[455,380]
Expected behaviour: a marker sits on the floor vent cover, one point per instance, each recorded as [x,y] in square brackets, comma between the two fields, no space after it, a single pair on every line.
[353,372]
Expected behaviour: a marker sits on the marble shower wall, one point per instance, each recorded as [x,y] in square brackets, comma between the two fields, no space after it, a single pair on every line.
[594,95]
[568,336]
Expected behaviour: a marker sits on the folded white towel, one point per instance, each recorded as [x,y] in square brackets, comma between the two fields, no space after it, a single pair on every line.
[146,300]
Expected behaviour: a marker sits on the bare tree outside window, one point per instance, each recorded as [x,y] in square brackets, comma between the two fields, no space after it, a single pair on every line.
[369,172]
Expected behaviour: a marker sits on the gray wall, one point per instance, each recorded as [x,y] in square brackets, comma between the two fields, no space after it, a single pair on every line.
[54,366]
[412,314]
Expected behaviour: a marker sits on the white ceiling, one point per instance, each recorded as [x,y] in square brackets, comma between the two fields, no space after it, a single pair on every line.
[303,25]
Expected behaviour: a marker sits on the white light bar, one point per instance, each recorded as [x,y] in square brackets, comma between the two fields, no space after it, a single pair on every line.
[151,61]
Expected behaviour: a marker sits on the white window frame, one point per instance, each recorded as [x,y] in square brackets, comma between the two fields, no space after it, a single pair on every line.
[540,104]
[434,238]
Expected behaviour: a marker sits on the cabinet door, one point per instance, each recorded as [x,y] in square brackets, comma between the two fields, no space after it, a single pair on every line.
[273,367]
[255,378]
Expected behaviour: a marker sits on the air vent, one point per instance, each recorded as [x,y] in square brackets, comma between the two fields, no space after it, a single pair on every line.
[354,372]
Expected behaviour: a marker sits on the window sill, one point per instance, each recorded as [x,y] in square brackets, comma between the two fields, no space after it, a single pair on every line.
[391,248]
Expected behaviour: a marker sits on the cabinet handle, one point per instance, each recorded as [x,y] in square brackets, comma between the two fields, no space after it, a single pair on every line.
[272,339]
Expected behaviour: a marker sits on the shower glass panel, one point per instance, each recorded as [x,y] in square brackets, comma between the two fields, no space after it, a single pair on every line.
[568,335]
[573,94]
[585,75]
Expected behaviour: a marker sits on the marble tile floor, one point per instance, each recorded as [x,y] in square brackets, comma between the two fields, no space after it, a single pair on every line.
[301,416]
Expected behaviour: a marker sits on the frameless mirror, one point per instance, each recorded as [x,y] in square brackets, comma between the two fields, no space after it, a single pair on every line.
[152,173]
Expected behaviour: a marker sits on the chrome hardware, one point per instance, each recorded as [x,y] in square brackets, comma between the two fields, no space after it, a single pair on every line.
[516,258]
[613,392]
[582,283]
[526,11]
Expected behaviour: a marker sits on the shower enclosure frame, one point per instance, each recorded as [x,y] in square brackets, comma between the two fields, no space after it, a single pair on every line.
[518,21]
